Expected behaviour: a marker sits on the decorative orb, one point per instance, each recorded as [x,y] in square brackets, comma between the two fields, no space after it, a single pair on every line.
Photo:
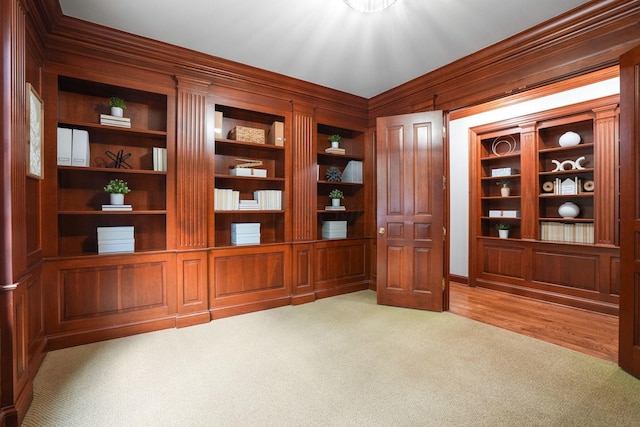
[568,139]
[569,210]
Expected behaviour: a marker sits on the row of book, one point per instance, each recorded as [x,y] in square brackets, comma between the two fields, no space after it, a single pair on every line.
[580,232]
[247,233]
[226,199]
[159,159]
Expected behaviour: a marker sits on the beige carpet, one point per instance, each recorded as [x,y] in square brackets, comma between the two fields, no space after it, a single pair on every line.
[341,361]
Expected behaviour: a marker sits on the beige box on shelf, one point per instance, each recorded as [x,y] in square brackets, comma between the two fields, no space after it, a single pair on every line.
[247,134]
[276,134]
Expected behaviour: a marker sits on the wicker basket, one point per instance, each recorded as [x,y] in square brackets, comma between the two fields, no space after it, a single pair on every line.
[246,134]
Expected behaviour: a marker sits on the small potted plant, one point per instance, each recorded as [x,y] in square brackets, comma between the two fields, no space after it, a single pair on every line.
[503,230]
[117,106]
[335,141]
[335,195]
[117,188]
[505,190]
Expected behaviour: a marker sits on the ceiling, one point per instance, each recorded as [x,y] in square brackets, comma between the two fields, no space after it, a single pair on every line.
[324,41]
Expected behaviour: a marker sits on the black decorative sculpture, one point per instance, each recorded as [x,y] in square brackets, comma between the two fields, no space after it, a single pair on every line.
[118,159]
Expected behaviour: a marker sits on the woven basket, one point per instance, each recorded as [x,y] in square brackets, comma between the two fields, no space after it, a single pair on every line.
[247,134]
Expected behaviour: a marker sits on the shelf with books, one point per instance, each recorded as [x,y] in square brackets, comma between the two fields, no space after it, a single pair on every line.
[250,180]
[90,154]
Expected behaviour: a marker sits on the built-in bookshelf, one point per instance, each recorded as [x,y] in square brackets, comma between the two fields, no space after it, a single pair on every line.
[340,169]
[109,151]
[250,173]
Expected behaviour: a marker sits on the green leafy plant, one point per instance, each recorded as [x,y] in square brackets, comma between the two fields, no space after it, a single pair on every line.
[117,186]
[117,102]
[335,138]
[503,182]
[503,226]
[336,194]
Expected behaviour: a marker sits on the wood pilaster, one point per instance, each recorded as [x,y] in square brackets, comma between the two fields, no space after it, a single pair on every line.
[304,174]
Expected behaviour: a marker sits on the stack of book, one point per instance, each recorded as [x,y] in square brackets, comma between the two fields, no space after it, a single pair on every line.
[333,150]
[245,233]
[115,239]
[248,205]
[334,229]
[353,172]
[159,159]
[335,208]
[109,120]
[117,208]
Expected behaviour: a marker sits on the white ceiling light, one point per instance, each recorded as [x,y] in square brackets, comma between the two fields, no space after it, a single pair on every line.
[369,6]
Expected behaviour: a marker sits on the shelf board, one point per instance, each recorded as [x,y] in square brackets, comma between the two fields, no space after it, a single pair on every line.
[223,142]
[498,178]
[555,219]
[560,196]
[567,172]
[579,147]
[112,129]
[329,158]
[504,156]
[500,198]
[133,212]
[325,211]
[110,170]
[354,184]
[501,218]
[247,178]
[250,211]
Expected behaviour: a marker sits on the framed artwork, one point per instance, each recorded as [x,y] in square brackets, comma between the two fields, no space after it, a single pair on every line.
[35,123]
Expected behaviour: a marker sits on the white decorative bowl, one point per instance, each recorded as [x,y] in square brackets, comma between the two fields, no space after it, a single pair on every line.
[569,210]
[568,139]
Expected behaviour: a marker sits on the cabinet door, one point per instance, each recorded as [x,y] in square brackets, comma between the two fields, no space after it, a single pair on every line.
[629,354]
[411,211]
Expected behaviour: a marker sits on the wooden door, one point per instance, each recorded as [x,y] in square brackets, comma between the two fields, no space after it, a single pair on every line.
[411,214]
[629,352]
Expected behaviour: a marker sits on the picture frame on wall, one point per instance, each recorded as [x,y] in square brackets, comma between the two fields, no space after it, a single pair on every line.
[35,126]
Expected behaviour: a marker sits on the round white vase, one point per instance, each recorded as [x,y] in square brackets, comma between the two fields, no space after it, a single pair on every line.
[505,191]
[335,144]
[335,202]
[116,198]
[569,210]
[569,139]
[117,111]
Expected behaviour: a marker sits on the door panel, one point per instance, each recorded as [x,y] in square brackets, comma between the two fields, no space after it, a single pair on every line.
[410,246]
[629,353]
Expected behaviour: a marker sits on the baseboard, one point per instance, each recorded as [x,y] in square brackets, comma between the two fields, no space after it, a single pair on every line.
[459,279]
[346,289]
[191,319]
[233,310]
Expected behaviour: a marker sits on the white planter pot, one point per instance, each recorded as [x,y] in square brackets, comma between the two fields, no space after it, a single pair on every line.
[335,144]
[503,234]
[505,191]
[116,198]
[335,202]
[117,111]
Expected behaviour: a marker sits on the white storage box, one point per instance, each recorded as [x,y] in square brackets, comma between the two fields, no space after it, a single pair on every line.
[260,173]
[116,246]
[245,228]
[115,233]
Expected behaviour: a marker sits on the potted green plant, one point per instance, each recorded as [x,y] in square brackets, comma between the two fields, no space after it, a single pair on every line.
[335,141]
[503,229]
[505,188]
[335,195]
[117,188]
[117,106]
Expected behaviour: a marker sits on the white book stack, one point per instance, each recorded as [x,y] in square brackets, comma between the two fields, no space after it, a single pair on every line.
[248,205]
[353,172]
[226,199]
[109,120]
[117,208]
[334,229]
[268,199]
[115,240]
[159,159]
[245,233]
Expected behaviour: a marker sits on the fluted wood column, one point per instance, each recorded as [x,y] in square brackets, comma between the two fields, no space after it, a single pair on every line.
[528,186]
[304,174]
[606,175]
[193,159]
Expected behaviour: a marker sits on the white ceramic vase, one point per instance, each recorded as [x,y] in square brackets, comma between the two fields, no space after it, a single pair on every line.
[335,144]
[503,234]
[505,191]
[117,111]
[569,210]
[335,202]
[116,198]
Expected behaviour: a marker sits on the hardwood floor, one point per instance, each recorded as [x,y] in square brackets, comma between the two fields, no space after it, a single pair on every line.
[584,331]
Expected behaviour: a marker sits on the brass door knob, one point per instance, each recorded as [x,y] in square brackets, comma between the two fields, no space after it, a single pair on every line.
[381,231]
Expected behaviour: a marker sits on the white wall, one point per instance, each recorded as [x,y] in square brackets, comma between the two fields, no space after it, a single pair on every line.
[459,158]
